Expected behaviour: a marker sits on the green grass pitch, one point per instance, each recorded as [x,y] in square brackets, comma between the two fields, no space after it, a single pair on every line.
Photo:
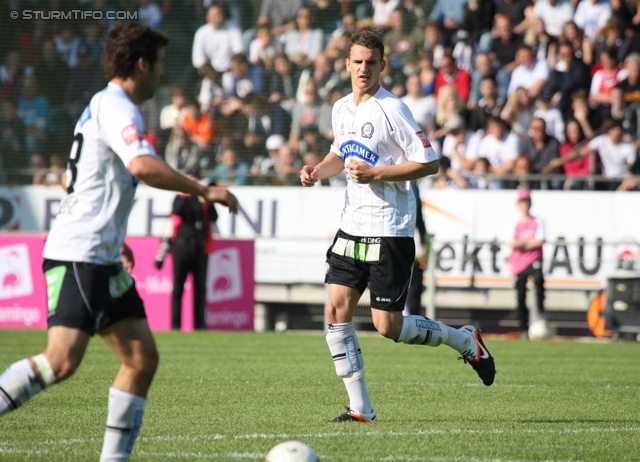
[233,396]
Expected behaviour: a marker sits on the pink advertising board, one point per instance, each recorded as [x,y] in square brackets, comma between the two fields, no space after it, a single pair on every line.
[229,288]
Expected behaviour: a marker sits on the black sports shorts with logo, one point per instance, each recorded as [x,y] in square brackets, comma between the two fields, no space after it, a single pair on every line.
[88,296]
[383,264]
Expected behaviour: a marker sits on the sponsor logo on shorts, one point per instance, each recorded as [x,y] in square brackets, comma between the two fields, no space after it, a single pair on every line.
[381,299]
[130,134]
[424,139]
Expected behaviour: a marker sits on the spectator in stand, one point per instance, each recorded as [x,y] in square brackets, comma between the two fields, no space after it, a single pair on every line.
[30,42]
[180,152]
[629,183]
[518,11]
[551,116]
[303,43]
[503,52]
[543,45]
[427,74]
[449,105]
[433,42]
[422,107]
[149,13]
[530,73]
[68,45]
[617,155]
[518,112]
[10,77]
[33,110]
[589,119]
[171,116]
[478,18]
[229,171]
[478,178]
[242,78]
[488,106]
[582,47]
[554,13]
[616,110]
[280,15]
[611,36]
[52,70]
[211,94]
[605,78]
[575,75]
[450,75]
[263,48]
[402,41]
[84,81]
[284,83]
[542,149]
[200,127]
[52,177]
[336,48]
[496,144]
[522,170]
[286,171]
[263,167]
[12,138]
[483,68]
[313,111]
[323,75]
[325,14]
[450,13]
[631,85]
[215,43]
[455,143]
[380,14]
[591,16]
[579,168]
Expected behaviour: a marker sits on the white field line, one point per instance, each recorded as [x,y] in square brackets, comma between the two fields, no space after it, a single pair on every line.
[9,447]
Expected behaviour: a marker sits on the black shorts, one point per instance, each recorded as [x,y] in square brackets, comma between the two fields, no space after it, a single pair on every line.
[88,296]
[383,264]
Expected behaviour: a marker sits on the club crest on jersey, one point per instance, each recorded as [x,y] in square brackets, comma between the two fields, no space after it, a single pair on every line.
[130,134]
[424,139]
[352,148]
[367,130]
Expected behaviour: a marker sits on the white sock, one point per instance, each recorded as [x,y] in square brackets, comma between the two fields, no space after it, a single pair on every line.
[347,357]
[20,382]
[123,424]
[418,330]
[458,340]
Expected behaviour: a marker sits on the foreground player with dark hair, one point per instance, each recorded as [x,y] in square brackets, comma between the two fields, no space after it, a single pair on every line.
[383,149]
[89,289]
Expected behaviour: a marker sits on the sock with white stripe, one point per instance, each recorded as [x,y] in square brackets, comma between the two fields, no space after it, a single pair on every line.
[347,358]
[123,424]
[21,382]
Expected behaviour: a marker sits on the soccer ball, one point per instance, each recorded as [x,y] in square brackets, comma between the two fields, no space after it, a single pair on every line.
[539,330]
[292,451]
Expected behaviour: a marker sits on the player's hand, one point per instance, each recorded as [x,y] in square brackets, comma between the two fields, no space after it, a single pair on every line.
[361,172]
[126,257]
[222,196]
[308,175]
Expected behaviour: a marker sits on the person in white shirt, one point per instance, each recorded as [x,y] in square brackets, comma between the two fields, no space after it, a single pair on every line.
[554,13]
[617,156]
[422,107]
[591,16]
[530,73]
[215,43]
[86,263]
[383,149]
[497,144]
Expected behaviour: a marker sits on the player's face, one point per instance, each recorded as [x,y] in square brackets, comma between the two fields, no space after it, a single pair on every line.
[365,66]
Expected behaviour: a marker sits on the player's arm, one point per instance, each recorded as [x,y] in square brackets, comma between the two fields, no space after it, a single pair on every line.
[158,174]
[330,166]
[363,173]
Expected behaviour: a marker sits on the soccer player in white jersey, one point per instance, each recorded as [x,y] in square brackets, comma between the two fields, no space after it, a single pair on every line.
[383,149]
[89,291]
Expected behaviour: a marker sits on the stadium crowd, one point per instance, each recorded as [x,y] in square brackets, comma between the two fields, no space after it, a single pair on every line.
[508,91]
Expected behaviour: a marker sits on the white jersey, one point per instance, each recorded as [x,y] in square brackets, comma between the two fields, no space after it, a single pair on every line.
[92,221]
[380,132]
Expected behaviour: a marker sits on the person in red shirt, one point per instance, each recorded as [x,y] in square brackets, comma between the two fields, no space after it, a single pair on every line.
[449,74]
